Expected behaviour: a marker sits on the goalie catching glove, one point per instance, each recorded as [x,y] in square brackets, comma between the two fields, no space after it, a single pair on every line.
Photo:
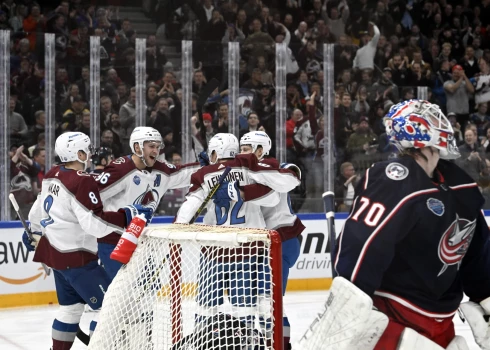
[477,316]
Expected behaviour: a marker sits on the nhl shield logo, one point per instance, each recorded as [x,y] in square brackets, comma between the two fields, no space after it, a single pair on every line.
[435,206]
[396,171]
[136,179]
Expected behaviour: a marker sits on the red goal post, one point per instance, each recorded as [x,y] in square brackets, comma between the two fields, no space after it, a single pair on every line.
[182,278]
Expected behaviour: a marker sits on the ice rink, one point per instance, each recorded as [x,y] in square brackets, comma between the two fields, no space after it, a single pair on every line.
[30,328]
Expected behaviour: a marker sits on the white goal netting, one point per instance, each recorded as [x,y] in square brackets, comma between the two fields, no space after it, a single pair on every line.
[196,287]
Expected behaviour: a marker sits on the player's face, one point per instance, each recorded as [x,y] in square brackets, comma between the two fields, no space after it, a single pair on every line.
[151,150]
[246,149]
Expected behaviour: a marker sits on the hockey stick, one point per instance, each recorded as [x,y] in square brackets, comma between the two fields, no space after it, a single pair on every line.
[210,195]
[212,85]
[47,270]
[329,203]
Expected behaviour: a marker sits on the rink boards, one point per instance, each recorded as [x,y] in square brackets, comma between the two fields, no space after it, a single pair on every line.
[23,282]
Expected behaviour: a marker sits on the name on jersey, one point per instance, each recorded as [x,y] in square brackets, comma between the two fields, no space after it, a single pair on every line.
[232,176]
[54,189]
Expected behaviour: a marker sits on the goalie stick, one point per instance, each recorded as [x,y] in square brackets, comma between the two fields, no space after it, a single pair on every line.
[329,204]
[47,270]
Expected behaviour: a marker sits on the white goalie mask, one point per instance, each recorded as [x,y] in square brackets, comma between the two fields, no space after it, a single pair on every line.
[68,144]
[256,139]
[225,146]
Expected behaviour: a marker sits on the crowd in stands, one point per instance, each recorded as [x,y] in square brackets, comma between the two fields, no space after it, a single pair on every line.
[385,52]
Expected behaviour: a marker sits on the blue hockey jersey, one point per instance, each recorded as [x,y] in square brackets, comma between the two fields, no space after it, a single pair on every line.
[417,240]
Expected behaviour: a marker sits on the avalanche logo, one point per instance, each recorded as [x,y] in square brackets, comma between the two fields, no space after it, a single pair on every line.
[149,198]
[455,242]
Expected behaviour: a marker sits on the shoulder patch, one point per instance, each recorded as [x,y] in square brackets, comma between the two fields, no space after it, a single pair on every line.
[136,179]
[436,206]
[396,171]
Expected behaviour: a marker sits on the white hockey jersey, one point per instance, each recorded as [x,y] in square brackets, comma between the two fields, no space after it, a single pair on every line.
[246,170]
[70,214]
[122,183]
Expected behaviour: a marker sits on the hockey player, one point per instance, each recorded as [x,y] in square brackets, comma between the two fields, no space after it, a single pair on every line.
[414,242]
[244,211]
[138,178]
[101,158]
[67,217]
[280,217]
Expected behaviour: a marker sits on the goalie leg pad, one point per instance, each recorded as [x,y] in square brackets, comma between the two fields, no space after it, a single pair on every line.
[347,322]
[411,339]
[475,315]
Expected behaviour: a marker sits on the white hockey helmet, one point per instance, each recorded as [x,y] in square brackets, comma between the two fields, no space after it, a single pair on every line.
[68,144]
[225,146]
[141,134]
[256,139]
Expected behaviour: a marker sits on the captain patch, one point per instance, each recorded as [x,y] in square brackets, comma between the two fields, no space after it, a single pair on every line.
[435,206]
[396,171]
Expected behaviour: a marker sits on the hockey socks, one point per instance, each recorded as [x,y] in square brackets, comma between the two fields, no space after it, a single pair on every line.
[63,335]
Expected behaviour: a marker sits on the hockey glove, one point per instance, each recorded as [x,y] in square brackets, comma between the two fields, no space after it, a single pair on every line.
[228,191]
[203,158]
[292,167]
[31,243]
[132,210]
[477,317]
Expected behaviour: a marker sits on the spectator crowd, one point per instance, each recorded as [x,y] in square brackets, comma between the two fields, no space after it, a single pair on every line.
[384,52]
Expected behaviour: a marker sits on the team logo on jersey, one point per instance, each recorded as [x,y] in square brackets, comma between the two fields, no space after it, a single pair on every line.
[396,171]
[455,242]
[435,206]
[136,179]
[149,198]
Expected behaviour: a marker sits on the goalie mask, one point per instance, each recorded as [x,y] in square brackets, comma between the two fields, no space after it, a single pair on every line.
[256,139]
[419,124]
[68,144]
[224,145]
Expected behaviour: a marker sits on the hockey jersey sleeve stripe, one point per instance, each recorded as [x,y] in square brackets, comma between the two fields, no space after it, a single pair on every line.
[367,179]
[413,307]
[459,187]
[380,227]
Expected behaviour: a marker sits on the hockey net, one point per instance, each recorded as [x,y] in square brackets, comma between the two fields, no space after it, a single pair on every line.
[196,287]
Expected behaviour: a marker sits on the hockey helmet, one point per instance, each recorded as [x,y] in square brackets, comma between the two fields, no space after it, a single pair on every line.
[225,146]
[256,139]
[102,153]
[419,124]
[68,144]
[141,134]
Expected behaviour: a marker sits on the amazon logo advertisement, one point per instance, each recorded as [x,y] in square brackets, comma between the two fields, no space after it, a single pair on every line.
[18,274]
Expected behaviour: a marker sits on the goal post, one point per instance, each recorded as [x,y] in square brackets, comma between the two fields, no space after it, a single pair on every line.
[196,287]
